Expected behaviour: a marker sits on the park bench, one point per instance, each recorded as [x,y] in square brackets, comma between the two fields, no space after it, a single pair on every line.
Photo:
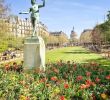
[106,54]
[5,58]
[8,57]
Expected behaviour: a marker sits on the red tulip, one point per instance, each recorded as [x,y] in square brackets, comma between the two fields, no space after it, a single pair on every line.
[108,77]
[97,80]
[88,73]
[43,80]
[79,78]
[54,78]
[62,98]
[84,86]
[66,86]
[89,83]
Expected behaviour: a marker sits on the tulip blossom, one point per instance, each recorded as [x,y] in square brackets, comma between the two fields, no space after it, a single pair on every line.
[66,86]
[62,98]
[88,74]
[108,77]
[97,80]
[54,78]
[79,78]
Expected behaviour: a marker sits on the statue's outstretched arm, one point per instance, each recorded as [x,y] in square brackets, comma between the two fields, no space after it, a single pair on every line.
[39,6]
[25,12]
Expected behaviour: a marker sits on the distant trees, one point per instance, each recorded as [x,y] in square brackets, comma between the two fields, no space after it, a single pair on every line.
[3,26]
[108,16]
[99,36]
[3,13]
[3,8]
[101,33]
[62,40]
[52,39]
[86,36]
[7,40]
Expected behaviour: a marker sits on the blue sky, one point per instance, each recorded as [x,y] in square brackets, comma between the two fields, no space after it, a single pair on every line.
[64,14]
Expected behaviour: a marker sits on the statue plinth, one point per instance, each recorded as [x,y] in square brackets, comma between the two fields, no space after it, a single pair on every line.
[32,53]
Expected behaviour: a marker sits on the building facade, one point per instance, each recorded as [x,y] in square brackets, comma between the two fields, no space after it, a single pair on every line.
[60,33]
[60,38]
[21,27]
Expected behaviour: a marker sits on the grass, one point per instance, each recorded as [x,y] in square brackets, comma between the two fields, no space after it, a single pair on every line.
[75,54]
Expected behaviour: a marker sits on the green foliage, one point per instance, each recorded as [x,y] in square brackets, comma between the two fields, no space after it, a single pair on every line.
[3,46]
[108,16]
[14,42]
[3,26]
[104,30]
[3,7]
[86,36]
[75,54]
[100,34]
[60,80]
[10,42]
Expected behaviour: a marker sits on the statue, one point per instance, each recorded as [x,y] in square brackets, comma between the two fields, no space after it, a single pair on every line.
[34,46]
[34,10]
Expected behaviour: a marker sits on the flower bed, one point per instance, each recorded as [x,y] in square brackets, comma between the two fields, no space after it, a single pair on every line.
[61,81]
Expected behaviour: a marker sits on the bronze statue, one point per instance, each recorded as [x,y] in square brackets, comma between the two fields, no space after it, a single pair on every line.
[34,10]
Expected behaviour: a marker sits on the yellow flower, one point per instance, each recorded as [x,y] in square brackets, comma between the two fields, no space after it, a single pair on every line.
[13,78]
[104,96]
[56,90]
[52,95]
[22,97]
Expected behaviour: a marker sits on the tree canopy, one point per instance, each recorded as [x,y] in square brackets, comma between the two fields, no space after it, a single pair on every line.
[102,31]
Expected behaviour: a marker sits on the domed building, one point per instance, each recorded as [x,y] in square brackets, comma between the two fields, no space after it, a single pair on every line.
[73,37]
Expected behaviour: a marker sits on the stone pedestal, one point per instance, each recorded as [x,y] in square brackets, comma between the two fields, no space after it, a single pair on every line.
[32,58]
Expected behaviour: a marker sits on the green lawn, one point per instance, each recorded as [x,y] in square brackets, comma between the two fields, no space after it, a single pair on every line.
[76,54]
